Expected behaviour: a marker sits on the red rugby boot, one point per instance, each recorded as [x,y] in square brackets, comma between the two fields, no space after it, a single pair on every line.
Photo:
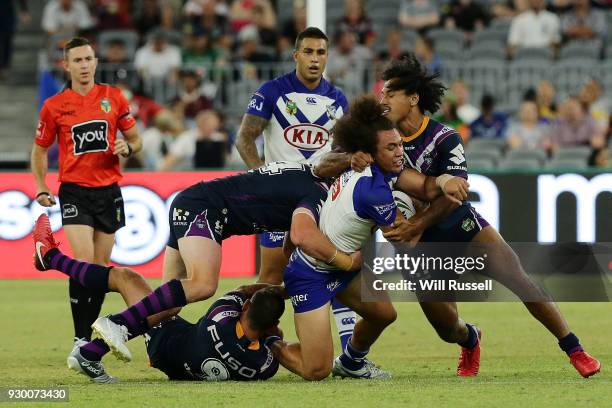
[584,363]
[43,241]
[469,360]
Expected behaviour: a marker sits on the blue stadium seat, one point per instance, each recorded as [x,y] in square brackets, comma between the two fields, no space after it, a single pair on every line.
[486,75]
[533,54]
[527,154]
[569,75]
[449,53]
[581,49]
[440,35]
[525,74]
[491,49]
[572,152]
[520,164]
[489,34]
[481,164]
[566,164]
[486,145]
[494,156]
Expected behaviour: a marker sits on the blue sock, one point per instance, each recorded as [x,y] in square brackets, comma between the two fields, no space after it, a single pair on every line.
[352,358]
[472,339]
[345,321]
[570,344]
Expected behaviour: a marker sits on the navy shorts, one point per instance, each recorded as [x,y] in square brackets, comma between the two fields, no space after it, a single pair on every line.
[156,340]
[310,289]
[271,239]
[196,212]
[460,226]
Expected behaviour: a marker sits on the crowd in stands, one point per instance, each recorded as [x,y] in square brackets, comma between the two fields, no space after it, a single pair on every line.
[196,47]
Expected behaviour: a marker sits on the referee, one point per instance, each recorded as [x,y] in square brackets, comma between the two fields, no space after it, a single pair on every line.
[84,119]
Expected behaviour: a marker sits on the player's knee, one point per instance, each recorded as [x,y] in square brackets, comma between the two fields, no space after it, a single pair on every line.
[200,290]
[119,277]
[317,372]
[389,315]
[384,316]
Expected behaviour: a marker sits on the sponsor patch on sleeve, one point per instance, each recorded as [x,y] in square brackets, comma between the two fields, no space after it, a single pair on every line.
[385,210]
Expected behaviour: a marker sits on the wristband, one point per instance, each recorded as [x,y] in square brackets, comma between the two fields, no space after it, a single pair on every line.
[43,193]
[129,150]
[442,180]
[333,258]
[343,262]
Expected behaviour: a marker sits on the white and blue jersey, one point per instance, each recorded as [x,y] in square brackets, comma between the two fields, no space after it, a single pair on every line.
[299,124]
[355,205]
[300,119]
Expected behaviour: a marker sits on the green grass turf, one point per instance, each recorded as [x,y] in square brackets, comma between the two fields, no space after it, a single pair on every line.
[521,364]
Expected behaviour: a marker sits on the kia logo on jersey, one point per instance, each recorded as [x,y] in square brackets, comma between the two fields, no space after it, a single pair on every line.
[90,137]
[307,136]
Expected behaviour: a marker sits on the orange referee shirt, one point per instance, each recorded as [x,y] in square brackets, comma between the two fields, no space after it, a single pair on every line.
[86,129]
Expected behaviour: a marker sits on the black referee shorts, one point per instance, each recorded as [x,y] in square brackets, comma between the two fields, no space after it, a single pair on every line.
[99,207]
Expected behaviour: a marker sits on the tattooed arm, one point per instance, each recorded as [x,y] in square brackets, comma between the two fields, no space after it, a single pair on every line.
[251,127]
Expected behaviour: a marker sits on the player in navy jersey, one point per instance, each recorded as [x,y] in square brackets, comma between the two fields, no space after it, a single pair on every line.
[356,204]
[230,342]
[271,197]
[433,148]
[295,113]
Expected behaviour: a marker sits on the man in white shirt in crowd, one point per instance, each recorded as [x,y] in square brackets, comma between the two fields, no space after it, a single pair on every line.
[534,28]
[157,59]
[66,16]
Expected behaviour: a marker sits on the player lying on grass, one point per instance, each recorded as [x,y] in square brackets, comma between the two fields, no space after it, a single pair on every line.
[268,198]
[356,204]
[230,342]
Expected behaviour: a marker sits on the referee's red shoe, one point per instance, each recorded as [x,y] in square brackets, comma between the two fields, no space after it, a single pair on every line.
[469,360]
[584,363]
[43,241]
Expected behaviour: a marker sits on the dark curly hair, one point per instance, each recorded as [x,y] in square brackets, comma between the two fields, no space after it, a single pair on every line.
[408,75]
[358,130]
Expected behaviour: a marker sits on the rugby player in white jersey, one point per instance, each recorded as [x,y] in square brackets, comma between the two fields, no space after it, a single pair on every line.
[355,205]
[295,112]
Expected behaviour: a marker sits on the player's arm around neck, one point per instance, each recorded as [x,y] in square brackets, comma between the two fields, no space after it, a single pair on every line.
[251,127]
[306,235]
[336,162]
[332,164]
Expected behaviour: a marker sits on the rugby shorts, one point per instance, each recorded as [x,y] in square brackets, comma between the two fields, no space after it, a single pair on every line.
[310,289]
[99,207]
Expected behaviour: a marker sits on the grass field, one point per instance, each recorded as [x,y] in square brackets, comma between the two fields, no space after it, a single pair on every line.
[521,365]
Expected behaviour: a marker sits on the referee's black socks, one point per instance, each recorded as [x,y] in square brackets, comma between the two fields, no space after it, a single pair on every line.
[85,305]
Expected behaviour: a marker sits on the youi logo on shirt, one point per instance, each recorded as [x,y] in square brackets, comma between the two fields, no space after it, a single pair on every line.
[307,136]
[90,137]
